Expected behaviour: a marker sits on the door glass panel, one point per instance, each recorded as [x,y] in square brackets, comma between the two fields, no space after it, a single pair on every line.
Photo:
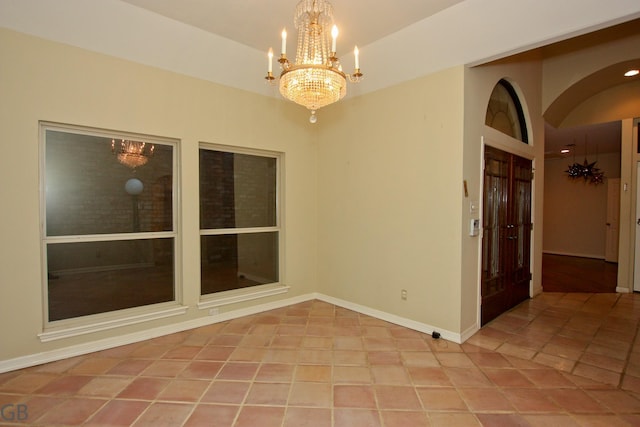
[495,188]
[506,232]
[522,204]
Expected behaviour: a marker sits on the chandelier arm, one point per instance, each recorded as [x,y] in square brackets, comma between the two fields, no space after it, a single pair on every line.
[284,61]
[356,77]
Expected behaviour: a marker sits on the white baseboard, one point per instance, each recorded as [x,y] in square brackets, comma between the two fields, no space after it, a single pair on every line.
[536,290]
[104,344]
[468,333]
[574,254]
[623,290]
[392,318]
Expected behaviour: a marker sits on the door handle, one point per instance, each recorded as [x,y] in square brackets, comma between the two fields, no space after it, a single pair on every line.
[638,222]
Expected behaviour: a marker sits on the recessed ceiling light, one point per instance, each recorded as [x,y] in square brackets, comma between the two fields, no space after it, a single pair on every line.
[632,73]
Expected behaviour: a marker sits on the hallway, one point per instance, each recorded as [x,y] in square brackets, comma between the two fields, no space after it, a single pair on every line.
[562,273]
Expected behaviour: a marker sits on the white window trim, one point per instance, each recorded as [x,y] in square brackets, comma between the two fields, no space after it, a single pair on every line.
[102,325]
[219,299]
[66,328]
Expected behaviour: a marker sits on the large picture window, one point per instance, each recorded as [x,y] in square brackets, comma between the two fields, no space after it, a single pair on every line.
[109,237]
[239,226]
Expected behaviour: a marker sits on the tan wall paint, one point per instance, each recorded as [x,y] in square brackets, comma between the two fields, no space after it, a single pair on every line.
[575,212]
[389,205]
[562,71]
[628,215]
[41,80]
[617,103]
[389,212]
[525,76]
[374,193]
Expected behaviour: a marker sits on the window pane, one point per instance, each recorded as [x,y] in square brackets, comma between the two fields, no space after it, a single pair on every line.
[96,277]
[88,191]
[505,113]
[236,190]
[233,261]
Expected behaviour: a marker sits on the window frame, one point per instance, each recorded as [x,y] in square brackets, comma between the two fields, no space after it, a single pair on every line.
[64,328]
[519,113]
[217,299]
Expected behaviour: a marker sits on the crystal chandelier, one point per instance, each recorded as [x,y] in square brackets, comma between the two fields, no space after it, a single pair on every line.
[132,153]
[316,78]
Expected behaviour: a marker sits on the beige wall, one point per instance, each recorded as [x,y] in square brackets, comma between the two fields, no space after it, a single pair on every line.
[564,77]
[41,80]
[524,74]
[393,214]
[373,193]
[575,212]
[562,71]
[616,103]
[389,199]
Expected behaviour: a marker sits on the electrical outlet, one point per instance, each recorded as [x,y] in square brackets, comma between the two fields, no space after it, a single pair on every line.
[403,294]
[214,311]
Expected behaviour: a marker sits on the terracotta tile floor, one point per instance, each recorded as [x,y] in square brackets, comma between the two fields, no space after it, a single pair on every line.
[556,360]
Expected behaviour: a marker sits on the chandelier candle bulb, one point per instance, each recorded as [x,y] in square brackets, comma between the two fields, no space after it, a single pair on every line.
[334,37]
[270,55]
[284,42]
[356,54]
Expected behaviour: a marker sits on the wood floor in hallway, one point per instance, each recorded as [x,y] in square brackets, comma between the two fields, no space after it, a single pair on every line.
[562,273]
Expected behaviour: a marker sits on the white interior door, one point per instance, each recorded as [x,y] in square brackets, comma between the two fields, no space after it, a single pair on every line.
[613,220]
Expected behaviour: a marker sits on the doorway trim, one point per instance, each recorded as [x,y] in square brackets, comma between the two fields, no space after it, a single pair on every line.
[630,157]
[634,256]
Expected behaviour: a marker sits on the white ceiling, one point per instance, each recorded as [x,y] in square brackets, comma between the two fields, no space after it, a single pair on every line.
[258,23]
[225,41]
[583,141]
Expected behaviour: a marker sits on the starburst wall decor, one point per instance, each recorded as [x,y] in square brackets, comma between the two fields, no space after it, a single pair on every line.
[587,171]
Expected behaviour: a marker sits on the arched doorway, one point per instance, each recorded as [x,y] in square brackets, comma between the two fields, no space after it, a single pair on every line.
[506,218]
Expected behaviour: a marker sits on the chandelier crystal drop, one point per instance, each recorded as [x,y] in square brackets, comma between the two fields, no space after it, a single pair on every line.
[316,78]
[132,153]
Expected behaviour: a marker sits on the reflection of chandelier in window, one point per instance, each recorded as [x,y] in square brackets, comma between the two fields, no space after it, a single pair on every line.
[587,171]
[132,153]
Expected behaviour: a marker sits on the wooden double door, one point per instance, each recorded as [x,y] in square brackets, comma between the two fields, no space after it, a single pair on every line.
[506,238]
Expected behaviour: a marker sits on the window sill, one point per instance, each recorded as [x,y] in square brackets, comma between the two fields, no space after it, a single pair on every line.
[232,297]
[72,331]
